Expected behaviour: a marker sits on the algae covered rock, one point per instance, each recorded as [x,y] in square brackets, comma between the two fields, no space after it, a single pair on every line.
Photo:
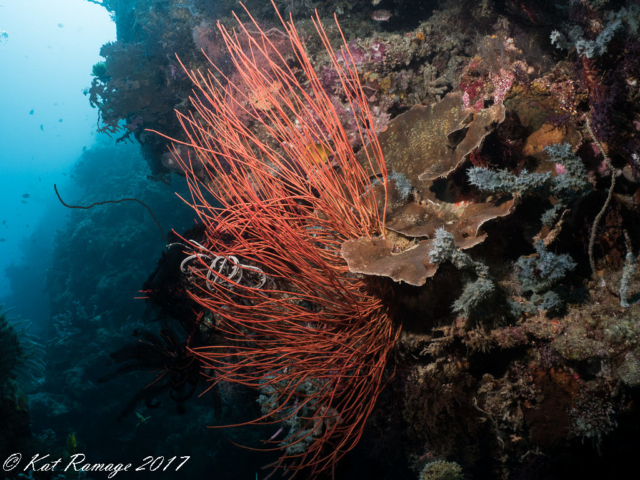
[442,470]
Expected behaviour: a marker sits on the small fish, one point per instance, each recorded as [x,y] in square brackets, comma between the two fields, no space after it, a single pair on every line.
[3,239]
[24,201]
[39,179]
[42,127]
[72,444]
[25,195]
[318,153]
[381,15]
[141,419]
[4,222]
[31,112]
[60,120]
[60,25]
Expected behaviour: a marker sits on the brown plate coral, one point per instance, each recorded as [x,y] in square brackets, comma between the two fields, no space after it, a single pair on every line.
[422,147]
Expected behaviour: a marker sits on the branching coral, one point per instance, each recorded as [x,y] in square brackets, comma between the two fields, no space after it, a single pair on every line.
[474,292]
[568,185]
[540,273]
[598,46]
[282,197]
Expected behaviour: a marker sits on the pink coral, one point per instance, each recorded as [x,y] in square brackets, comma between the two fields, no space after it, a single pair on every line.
[501,84]
[466,100]
[356,53]
[204,36]
[377,51]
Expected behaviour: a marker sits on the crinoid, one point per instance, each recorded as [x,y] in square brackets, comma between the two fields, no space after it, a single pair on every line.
[177,372]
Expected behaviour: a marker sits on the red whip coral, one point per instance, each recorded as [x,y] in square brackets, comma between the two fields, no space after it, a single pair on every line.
[279,196]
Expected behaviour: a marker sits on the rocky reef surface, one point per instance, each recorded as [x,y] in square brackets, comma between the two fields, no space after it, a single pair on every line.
[511,130]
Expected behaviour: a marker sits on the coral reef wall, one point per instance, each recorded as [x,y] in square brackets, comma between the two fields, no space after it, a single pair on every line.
[101,260]
[511,134]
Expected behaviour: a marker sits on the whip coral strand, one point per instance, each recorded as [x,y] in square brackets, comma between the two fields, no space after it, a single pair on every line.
[281,191]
